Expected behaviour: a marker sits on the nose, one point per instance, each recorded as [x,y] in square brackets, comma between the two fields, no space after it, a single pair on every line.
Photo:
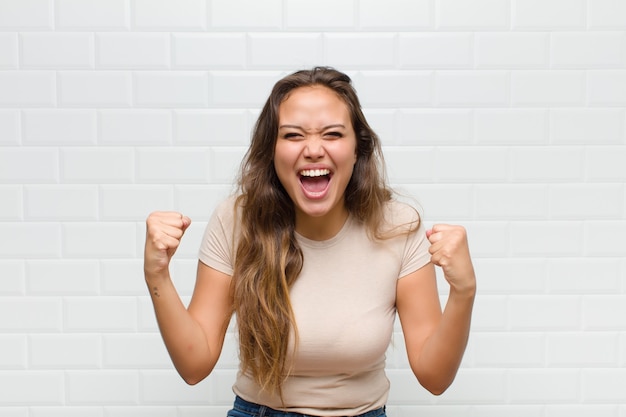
[314,148]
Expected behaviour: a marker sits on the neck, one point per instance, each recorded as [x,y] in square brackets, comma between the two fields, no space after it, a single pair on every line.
[322,227]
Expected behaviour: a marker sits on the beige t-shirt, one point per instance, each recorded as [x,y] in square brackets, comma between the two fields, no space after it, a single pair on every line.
[344,304]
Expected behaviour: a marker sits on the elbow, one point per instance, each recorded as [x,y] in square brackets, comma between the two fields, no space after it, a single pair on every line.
[436,389]
[191,380]
[193,377]
[436,384]
[194,371]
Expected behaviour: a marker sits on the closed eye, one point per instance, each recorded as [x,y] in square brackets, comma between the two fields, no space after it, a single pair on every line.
[292,135]
[333,135]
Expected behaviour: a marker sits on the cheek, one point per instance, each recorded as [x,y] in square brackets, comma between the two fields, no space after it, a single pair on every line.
[283,164]
[353,157]
[279,156]
[279,167]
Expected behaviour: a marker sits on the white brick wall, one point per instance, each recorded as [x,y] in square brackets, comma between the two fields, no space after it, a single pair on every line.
[508,116]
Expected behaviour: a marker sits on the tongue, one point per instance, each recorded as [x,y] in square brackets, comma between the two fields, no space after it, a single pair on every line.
[314,184]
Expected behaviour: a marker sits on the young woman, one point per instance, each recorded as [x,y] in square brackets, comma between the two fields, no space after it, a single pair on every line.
[315,257]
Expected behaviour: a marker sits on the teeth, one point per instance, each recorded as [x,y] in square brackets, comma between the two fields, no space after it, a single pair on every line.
[314,172]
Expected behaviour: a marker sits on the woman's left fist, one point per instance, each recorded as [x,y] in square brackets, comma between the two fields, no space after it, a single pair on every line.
[450,251]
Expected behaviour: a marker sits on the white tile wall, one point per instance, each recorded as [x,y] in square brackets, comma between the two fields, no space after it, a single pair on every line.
[508,116]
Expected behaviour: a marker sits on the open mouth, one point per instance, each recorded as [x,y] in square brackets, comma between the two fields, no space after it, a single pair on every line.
[315,181]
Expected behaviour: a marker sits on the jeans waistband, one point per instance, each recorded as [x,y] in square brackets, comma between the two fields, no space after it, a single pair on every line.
[263,411]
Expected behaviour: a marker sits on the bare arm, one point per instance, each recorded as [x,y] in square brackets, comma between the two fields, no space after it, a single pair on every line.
[193,336]
[436,341]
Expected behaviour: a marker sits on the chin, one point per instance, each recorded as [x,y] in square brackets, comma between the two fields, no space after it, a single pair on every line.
[314,209]
[313,212]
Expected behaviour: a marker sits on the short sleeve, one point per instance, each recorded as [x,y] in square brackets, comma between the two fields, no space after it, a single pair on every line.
[415,252]
[217,248]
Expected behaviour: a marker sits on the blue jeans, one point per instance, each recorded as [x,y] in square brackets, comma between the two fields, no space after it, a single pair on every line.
[243,408]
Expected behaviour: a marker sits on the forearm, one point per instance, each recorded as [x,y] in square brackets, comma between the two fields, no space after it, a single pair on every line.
[183,336]
[443,351]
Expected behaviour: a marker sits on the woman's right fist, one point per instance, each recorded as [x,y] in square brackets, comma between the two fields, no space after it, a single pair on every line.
[164,229]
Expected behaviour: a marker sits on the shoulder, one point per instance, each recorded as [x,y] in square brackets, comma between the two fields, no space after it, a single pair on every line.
[398,214]
[217,247]
[227,204]
[227,208]
[224,219]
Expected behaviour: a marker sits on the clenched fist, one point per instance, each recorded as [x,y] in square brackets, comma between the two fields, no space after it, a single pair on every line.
[164,229]
[450,251]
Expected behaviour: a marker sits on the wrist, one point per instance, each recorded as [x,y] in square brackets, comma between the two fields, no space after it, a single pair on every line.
[465,290]
[153,277]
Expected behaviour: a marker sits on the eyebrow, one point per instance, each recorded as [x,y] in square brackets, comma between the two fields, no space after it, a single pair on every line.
[333,126]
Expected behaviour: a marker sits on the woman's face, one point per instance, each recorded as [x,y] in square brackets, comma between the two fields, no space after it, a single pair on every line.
[314,158]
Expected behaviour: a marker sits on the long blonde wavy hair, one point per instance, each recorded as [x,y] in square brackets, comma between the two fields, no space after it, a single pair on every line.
[268,258]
